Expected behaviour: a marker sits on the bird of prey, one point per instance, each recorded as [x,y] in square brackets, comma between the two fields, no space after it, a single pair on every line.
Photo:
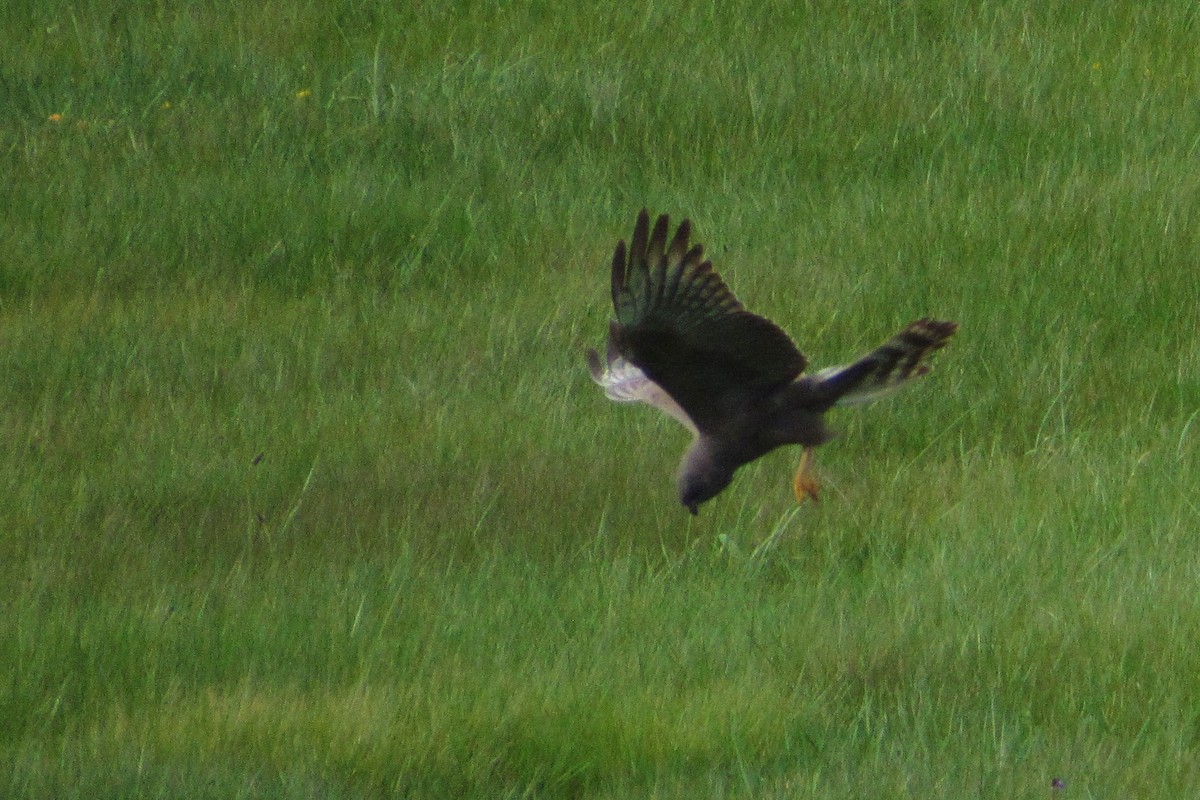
[683,343]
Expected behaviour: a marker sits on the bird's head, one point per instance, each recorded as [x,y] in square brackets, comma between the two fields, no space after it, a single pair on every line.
[702,476]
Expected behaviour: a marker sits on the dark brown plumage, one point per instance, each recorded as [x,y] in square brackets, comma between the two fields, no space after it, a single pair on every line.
[682,342]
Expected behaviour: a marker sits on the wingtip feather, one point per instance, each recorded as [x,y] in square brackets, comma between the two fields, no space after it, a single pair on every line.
[656,250]
[679,243]
[595,366]
[618,271]
[641,235]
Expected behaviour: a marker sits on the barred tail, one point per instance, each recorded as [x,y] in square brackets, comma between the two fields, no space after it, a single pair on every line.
[886,368]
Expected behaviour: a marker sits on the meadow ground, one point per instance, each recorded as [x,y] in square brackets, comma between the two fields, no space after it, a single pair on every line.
[305,492]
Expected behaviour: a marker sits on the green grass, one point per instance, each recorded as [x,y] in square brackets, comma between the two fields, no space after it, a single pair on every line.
[305,492]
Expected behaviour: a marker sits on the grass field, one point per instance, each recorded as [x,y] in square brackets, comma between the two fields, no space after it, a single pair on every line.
[305,491]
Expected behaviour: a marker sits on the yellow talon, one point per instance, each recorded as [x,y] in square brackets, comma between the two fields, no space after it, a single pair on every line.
[805,484]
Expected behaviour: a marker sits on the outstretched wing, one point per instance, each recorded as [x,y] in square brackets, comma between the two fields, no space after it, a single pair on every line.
[623,382]
[884,370]
[680,325]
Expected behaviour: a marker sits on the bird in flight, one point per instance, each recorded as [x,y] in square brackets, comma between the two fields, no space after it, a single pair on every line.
[684,344]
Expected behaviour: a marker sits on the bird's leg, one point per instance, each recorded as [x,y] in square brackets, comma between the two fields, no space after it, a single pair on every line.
[805,483]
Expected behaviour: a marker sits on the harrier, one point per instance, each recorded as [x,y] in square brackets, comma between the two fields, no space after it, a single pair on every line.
[683,343]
